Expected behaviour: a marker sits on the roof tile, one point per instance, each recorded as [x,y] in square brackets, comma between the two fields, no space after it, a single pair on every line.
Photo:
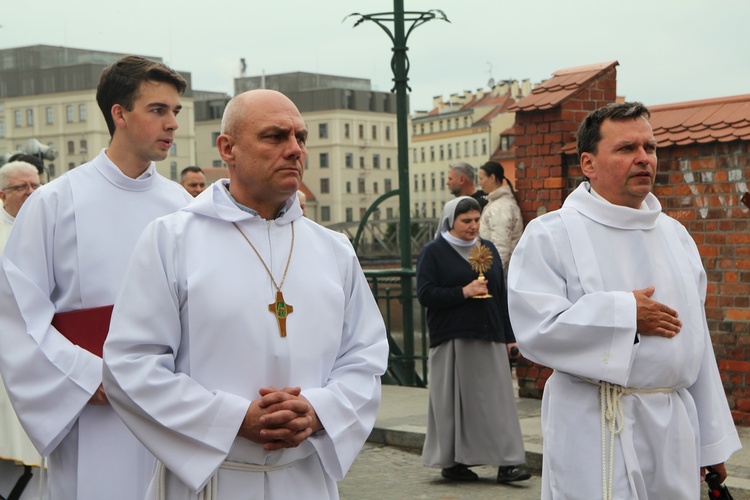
[724,119]
[563,84]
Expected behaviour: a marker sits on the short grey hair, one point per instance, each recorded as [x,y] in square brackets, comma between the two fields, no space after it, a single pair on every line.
[465,169]
[13,168]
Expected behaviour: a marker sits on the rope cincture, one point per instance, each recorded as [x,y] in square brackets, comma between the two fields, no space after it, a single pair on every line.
[211,490]
[613,420]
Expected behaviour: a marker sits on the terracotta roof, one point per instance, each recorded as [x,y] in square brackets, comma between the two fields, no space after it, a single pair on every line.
[308,194]
[500,103]
[563,84]
[724,119]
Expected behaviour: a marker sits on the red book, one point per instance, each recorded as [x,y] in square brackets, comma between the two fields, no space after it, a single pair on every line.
[86,328]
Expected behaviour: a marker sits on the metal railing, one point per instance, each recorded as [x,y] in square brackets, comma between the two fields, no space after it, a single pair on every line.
[407,361]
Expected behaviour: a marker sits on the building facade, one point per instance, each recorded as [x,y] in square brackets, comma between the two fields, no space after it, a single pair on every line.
[49,94]
[465,128]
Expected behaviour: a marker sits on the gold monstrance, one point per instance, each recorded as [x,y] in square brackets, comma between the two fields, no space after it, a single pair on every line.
[480,259]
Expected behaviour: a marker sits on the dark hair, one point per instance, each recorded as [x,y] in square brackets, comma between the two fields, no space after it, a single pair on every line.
[191,168]
[589,132]
[466,205]
[494,168]
[120,82]
[34,160]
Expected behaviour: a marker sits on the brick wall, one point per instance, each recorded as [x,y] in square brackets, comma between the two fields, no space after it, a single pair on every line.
[699,185]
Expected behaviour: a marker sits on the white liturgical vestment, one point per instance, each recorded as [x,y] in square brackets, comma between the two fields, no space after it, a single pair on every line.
[68,251]
[570,295]
[192,341]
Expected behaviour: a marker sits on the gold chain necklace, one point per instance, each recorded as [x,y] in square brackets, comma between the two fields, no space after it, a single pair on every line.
[279,308]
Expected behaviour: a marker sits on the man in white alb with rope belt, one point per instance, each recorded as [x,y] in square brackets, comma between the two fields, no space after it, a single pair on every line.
[609,292]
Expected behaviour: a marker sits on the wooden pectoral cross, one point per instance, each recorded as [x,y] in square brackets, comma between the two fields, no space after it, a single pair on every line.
[281,309]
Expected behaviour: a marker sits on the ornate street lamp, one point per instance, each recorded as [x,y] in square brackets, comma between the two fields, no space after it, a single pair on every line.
[400,68]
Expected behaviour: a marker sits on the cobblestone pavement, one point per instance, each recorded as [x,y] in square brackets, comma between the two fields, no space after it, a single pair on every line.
[389,473]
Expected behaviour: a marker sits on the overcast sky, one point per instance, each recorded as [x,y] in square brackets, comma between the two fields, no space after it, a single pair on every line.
[669,50]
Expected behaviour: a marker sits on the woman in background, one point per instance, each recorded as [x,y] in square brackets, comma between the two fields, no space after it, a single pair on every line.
[472,418]
[501,219]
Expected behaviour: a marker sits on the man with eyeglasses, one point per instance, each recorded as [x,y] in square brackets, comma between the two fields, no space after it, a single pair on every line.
[18,180]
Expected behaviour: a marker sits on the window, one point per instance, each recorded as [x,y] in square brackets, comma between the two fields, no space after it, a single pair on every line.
[440,125]
[374,132]
[361,131]
[466,148]
[82,112]
[173,150]
[458,150]
[323,160]
[71,166]
[442,181]
[466,121]
[324,186]
[448,124]
[414,156]
[421,128]
[374,188]
[424,183]
[349,214]
[442,152]
[18,118]
[376,160]
[348,186]
[388,163]
[71,147]
[69,113]
[434,214]
[349,160]
[432,153]
[51,170]
[50,115]
[504,143]
[361,162]
[323,130]
[450,151]
[432,181]
[389,212]
[84,146]
[29,117]
[214,137]
[474,143]
[362,211]
[431,127]
[216,163]
[416,183]
[387,185]
[421,154]
[387,133]
[360,185]
[325,214]
[346,130]
[173,170]
[484,146]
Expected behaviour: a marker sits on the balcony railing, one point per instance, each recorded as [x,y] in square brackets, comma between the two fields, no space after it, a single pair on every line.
[407,362]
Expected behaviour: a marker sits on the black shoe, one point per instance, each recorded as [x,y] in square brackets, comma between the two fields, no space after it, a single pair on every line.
[459,472]
[512,473]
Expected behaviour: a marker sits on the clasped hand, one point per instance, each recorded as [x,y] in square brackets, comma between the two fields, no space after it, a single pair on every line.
[281,418]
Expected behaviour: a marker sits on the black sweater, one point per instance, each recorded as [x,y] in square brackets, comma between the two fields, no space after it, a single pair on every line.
[441,275]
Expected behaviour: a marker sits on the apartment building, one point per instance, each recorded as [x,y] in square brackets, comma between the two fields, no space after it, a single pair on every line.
[48,93]
[464,128]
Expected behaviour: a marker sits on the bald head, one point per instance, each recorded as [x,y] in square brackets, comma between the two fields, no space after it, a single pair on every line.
[244,107]
[263,142]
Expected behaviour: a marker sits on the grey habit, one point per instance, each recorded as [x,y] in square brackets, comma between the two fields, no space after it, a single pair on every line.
[472,417]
